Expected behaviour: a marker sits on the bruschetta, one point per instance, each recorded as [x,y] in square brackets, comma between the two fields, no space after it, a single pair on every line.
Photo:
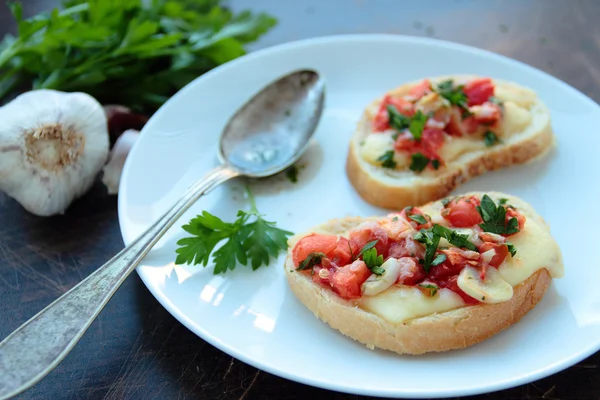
[442,276]
[423,139]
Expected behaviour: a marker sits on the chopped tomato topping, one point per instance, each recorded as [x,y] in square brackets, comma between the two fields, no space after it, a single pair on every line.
[407,248]
[313,243]
[459,126]
[411,272]
[420,89]
[416,211]
[323,278]
[452,284]
[381,121]
[346,281]
[478,91]
[488,113]
[431,140]
[360,237]
[512,213]
[342,255]
[500,249]
[462,213]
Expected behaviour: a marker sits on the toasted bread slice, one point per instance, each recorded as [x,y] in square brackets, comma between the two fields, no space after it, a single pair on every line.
[524,136]
[457,328]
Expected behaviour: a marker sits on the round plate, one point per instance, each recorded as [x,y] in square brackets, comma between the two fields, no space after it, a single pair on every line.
[254,317]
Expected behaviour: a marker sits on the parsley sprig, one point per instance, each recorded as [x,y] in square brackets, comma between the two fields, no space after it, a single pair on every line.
[387,159]
[371,258]
[249,239]
[414,124]
[494,218]
[431,239]
[420,161]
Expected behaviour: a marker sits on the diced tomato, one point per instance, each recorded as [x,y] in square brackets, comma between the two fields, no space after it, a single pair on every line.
[411,272]
[360,237]
[420,89]
[313,243]
[323,278]
[346,281]
[462,213]
[459,126]
[381,121]
[342,255]
[452,284]
[478,91]
[500,249]
[431,140]
[488,114]
[512,213]
[407,248]
[456,260]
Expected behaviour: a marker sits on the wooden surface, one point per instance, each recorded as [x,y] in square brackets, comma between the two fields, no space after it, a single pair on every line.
[136,350]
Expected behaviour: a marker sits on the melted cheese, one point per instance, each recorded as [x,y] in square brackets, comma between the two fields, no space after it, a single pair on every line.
[402,303]
[454,147]
[376,145]
[516,118]
[536,249]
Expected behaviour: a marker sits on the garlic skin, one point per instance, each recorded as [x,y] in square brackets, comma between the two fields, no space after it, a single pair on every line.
[52,146]
[111,173]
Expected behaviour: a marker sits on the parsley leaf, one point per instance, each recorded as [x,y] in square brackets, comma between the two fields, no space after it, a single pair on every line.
[446,201]
[248,239]
[511,249]
[496,101]
[490,139]
[366,247]
[435,163]
[387,159]
[136,53]
[430,290]
[310,261]
[417,124]
[397,120]
[455,95]
[373,261]
[418,218]
[418,162]
[431,242]
[440,258]
[494,218]
[292,173]
[453,237]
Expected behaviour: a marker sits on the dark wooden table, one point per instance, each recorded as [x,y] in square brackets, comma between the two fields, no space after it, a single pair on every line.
[135,349]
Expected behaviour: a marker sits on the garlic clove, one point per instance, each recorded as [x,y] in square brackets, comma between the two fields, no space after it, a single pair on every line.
[493,289]
[376,284]
[111,173]
[52,146]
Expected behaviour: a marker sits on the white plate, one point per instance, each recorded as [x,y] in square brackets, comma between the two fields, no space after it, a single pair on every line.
[255,318]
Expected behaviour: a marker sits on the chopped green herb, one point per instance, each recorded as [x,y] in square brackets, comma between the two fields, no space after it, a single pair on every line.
[292,173]
[387,159]
[418,218]
[366,247]
[494,218]
[395,219]
[455,95]
[431,290]
[418,162]
[490,139]
[431,242]
[511,249]
[313,259]
[417,124]
[373,261]
[395,136]
[440,258]
[397,120]
[496,101]
[453,237]
[408,209]
[446,201]
[435,163]
[502,201]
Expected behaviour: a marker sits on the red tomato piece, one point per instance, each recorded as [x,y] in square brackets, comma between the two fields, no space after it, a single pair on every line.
[478,91]
[420,89]
[313,243]
[431,141]
[346,281]
[381,121]
[462,213]
[500,249]
[359,238]
[411,272]
[342,255]
[407,248]
[324,278]
[512,213]
[459,126]
[489,114]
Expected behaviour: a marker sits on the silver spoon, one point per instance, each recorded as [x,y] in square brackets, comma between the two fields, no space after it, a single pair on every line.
[265,136]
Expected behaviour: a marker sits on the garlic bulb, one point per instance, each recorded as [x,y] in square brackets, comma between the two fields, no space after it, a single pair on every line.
[52,146]
[111,173]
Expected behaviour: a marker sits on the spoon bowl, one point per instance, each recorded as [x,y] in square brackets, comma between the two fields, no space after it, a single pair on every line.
[272,130]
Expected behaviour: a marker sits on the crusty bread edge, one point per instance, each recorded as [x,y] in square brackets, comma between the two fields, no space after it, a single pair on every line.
[439,332]
[385,195]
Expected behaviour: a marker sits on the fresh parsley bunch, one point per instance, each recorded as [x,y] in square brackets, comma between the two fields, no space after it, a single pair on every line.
[248,239]
[136,53]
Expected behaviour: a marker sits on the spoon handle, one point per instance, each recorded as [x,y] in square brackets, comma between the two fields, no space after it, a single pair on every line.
[39,345]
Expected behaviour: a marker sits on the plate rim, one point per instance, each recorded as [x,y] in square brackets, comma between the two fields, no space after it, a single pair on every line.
[265,366]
